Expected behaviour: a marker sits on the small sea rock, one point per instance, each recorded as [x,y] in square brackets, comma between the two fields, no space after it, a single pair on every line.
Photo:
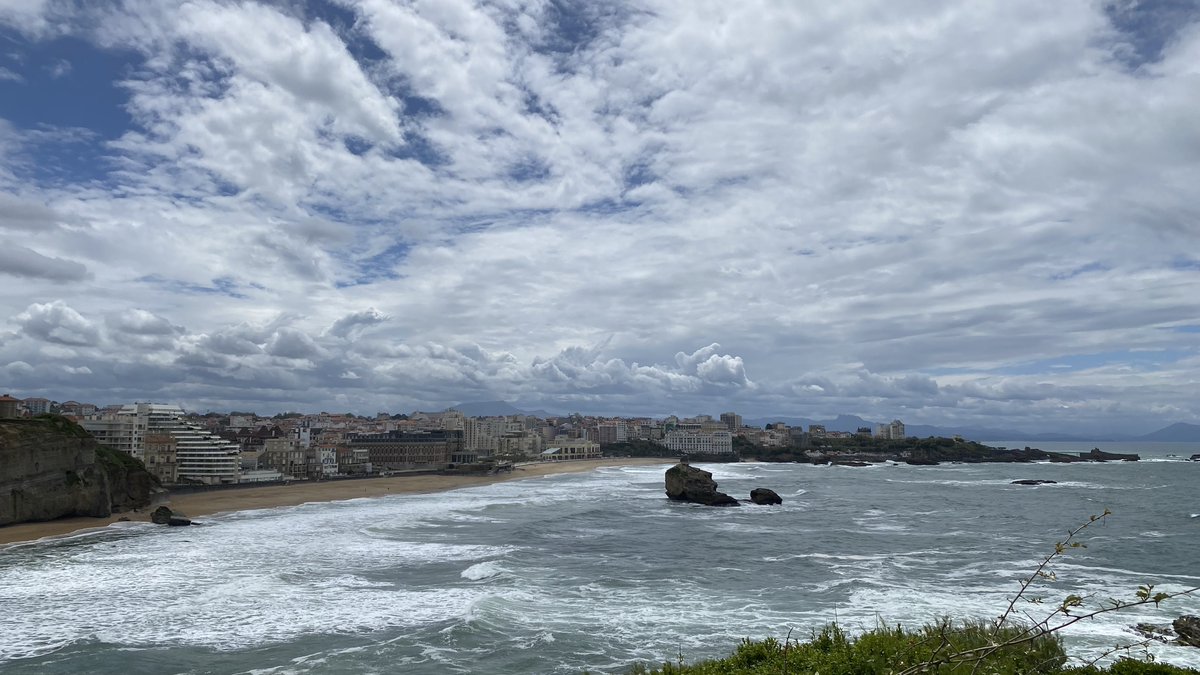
[1155,631]
[1033,481]
[161,516]
[765,496]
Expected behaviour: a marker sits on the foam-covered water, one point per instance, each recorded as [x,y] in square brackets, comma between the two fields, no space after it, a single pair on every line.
[595,571]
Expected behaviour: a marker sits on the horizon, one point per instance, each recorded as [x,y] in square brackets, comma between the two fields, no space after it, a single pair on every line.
[903,212]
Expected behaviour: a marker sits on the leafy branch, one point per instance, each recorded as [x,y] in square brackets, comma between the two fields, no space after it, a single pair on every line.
[1065,614]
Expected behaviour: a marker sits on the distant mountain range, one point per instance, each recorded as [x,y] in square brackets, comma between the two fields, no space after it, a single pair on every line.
[1179,432]
[496,409]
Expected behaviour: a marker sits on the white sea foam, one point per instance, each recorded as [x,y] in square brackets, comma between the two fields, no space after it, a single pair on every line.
[483,570]
[432,582]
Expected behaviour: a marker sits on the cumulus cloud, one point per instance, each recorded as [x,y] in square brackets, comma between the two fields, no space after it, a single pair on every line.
[292,344]
[142,322]
[356,322]
[58,323]
[871,209]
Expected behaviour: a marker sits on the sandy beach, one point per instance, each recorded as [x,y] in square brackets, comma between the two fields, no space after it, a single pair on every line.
[200,504]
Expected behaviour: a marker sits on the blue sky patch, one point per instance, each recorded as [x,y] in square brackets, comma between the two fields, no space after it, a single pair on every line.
[1147,26]
[225,286]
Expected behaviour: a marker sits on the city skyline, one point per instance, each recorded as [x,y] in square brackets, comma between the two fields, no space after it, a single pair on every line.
[958,216]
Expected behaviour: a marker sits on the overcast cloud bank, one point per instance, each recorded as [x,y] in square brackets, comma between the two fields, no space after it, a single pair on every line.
[980,214]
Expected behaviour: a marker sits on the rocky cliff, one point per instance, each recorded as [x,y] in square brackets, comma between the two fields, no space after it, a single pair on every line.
[51,468]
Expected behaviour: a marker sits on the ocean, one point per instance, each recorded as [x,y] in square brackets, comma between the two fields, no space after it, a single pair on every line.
[597,571]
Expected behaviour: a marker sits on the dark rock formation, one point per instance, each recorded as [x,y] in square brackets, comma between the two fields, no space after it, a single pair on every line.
[161,516]
[51,468]
[1154,631]
[765,497]
[1034,481]
[916,461]
[178,521]
[1187,628]
[689,484]
[1196,457]
[1098,455]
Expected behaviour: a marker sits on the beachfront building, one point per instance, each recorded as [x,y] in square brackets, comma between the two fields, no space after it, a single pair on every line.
[322,461]
[690,442]
[160,454]
[562,449]
[409,450]
[200,456]
[285,456]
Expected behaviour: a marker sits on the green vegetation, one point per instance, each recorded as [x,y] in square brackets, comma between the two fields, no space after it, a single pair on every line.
[637,448]
[115,459]
[48,423]
[894,651]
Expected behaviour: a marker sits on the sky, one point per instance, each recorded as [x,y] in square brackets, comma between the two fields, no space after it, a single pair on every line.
[950,213]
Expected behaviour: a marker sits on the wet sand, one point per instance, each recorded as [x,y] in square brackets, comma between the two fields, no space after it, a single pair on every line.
[199,504]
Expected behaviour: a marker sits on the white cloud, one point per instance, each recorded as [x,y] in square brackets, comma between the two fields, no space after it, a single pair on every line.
[859,207]
[58,323]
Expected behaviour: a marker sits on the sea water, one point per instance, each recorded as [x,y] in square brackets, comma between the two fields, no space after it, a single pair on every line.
[599,570]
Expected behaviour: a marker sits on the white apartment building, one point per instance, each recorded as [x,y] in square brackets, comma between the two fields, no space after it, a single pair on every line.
[37,406]
[613,431]
[690,442]
[200,455]
[894,431]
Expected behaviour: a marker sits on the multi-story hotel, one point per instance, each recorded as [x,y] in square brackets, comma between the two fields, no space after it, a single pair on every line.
[199,455]
[693,442]
[400,450]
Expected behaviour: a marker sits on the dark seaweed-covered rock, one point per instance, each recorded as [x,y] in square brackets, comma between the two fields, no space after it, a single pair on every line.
[1034,481]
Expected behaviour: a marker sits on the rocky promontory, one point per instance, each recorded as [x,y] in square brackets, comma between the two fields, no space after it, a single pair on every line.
[923,452]
[51,468]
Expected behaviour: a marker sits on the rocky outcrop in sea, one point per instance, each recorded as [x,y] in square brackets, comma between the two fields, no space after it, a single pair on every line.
[687,483]
[765,497]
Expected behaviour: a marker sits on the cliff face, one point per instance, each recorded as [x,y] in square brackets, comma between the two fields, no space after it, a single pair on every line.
[51,468]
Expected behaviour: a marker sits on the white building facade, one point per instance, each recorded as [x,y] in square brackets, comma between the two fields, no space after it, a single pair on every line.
[200,455]
[699,442]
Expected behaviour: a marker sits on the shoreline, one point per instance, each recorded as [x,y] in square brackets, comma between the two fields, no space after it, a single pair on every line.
[200,504]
